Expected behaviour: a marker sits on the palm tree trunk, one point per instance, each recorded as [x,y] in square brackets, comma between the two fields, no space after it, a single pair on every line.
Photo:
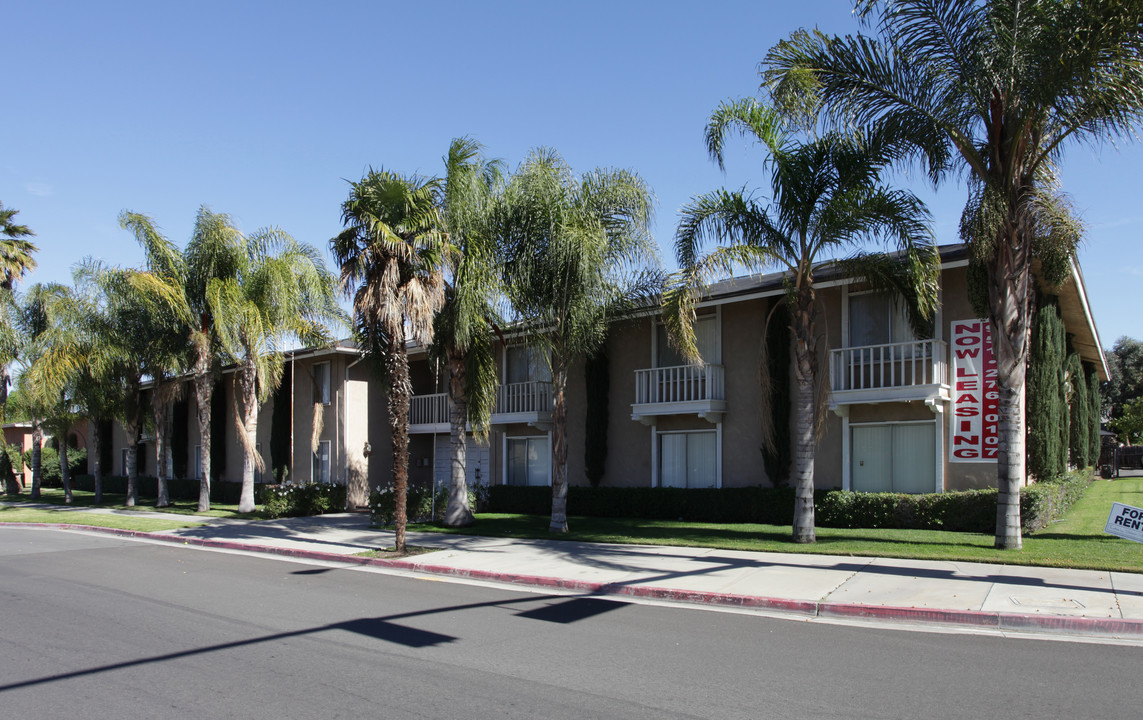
[37,442]
[132,429]
[1010,469]
[158,413]
[457,513]
[97,467]
[65,469]
[203,389]
[1009,291]
[802,466]
[559,522]
[248,384]
[399,392]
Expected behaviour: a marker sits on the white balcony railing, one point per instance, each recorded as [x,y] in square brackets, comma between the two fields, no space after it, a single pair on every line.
[680,384]
[429,409]
[893,365]
[534,396]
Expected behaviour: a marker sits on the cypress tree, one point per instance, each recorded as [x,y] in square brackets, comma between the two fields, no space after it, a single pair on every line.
[1046,447]
[1079,429]
[280,427]
[1094,410]
[597,376]
[776,458]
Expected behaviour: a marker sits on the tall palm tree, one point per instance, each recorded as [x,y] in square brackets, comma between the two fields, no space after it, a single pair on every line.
[575,251]
[391,254]
[826,196]
[215,251]
[466,323]
[15,261]
[37,313]
[281,291]
[995,88]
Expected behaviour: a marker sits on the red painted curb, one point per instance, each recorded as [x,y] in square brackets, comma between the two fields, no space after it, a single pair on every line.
[1114,627]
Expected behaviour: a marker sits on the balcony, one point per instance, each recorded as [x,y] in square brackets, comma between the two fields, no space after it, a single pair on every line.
[529,403]
[428,413]
[680,390]
[894,372]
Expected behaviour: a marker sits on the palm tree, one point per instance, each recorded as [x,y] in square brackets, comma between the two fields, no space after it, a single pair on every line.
[996,89]
[826,196]
[465,325]
[15,261]
[37,314]
[215,251]
[391,254]
[80,358]
[574,249]
[281,290]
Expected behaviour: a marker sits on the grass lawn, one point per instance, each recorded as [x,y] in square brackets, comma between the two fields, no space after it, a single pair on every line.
[141,523]
[82,498]
[1076,541]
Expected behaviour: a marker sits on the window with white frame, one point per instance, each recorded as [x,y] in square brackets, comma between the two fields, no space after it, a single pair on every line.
[706,340]
[878,318]
[524,363]
[321,383]
[688,459]
[321,463]
[529,461]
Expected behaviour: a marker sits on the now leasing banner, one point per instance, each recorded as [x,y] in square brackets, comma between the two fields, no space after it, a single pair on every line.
[972,427]
[1126,522]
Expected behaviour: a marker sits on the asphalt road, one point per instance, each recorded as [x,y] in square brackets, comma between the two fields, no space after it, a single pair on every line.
[96,627]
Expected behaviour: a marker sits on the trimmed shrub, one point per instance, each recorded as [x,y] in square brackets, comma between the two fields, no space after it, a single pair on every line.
[727,505]
[300,500]
[962,511]
[1044,502]
[225,493]
[420,505]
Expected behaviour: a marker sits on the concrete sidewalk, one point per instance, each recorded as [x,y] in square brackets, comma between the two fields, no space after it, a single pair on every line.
[1000,597]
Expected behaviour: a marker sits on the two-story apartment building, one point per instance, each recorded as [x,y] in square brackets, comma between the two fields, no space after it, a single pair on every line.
[904,413]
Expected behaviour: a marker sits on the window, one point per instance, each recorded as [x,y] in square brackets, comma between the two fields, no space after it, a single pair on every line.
[524,363]
[893,457]
[688,459]
[706,339]
[878,318]
[321,383]
[529,462]
[321,463]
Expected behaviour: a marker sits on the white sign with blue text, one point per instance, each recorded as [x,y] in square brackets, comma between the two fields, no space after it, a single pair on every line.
[1126,522]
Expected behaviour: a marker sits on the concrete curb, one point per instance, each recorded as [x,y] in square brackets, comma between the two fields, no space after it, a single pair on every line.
[1096,627]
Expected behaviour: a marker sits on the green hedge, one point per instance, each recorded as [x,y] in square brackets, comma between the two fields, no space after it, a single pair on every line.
[225,493]
[300,500]
[729,505]
[966,511]
[1044,502]
[420,505]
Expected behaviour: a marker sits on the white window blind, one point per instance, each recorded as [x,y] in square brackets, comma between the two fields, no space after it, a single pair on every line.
[689,459]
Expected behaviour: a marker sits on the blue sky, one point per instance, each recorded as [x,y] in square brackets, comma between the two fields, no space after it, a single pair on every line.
[265,110]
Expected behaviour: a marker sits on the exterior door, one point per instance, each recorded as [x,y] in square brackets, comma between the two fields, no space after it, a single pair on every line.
[893,458]
[872,458]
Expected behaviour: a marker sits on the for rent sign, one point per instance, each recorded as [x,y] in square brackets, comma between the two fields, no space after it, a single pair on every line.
[1126,522]
[972,427]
